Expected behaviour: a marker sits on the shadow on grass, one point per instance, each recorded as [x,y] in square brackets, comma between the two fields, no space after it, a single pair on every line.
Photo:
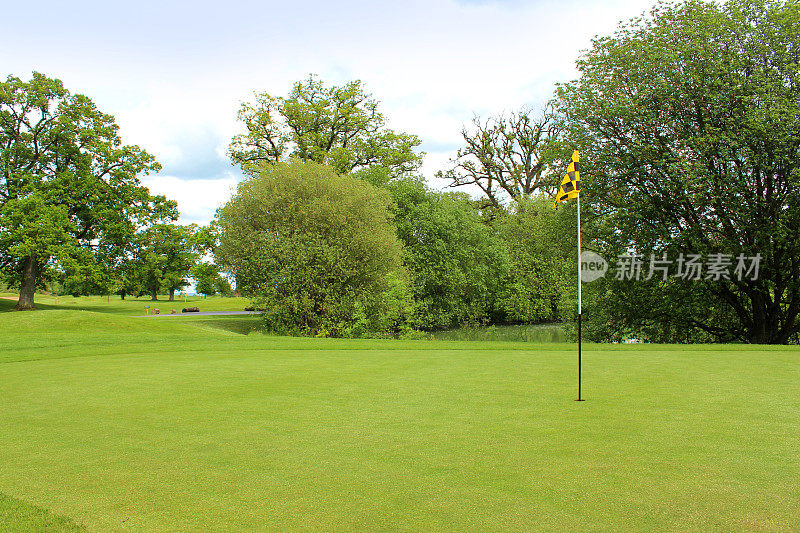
[8,305]
[514,333]
[243,326]
[17,515]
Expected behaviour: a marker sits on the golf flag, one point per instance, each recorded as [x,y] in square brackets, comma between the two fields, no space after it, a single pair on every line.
[571,188]
[571,184]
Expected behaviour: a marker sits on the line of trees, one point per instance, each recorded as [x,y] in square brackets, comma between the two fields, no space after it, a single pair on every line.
[333,233]
[686,120]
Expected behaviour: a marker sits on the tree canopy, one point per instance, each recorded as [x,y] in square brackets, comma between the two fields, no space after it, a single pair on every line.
[209,281]
[69,188]
[688,123]
[456,263]
[506,157]
[163,255]
[540,285]
[340,126]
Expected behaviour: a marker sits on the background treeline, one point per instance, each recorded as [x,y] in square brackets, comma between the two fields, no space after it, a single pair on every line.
[332,254]
[686,119]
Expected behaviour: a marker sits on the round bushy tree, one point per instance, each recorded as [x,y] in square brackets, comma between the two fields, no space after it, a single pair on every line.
[316,250]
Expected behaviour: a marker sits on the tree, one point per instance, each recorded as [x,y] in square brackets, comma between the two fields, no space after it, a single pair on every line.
[68,186]
[541,243]
[688,122]
[222,286]
[165,253]
[316,250]
[505,157]
[456,263]
[80,273]
[208,280]
[127,281]
[339,126]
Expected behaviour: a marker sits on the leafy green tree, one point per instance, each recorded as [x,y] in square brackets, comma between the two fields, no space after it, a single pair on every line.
[222,286]
[80,274]
[126,281]
[68,186]
[542,244]
[164,255]
[456,263]
[339,126]
[207,279]
[688,122]
[318,251]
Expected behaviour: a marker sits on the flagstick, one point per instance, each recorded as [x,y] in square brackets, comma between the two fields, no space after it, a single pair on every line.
[579,298]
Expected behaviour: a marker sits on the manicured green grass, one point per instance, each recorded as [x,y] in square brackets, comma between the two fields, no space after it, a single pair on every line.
[124,423]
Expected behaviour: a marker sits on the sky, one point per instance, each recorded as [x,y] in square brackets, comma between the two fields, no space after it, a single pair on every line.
[174,73]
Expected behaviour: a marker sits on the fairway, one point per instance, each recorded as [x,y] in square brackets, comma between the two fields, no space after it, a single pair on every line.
[123,423]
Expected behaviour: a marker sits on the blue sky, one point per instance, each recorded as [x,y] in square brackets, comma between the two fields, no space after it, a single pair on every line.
[174,73]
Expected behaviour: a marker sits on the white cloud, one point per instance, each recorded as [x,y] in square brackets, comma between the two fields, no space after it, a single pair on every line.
[197,199]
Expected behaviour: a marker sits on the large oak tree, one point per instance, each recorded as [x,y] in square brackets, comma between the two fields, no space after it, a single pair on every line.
[68,186]
[340,126]
[688,122]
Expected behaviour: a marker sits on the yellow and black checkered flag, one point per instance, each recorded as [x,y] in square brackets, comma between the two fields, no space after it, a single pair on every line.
[571,184]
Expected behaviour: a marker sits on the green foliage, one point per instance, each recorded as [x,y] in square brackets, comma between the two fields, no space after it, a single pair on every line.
[204,275]
[208,280]
[68,186]
[318,251]
[78,274]
[542,243]
[205,239]
[456,263]
[688,123]
[340,126]
[162,258]
[222,286]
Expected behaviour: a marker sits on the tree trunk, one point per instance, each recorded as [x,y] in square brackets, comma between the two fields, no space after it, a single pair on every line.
[766,330]
[30,269]
[172,295]
[122,295]
[153,295]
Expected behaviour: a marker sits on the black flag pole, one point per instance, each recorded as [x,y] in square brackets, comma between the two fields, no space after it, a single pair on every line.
[579,359]
[571,188]
[580,310]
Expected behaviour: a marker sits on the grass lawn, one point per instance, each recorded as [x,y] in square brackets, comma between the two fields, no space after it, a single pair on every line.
[128,306]
[122,423]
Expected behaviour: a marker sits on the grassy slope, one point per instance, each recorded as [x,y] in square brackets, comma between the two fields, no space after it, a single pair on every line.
[126,423]
[129,306]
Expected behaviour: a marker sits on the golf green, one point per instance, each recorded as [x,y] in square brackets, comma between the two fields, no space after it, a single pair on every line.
[122,423]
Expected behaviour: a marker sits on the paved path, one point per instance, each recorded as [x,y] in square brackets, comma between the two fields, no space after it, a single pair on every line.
[205,313]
